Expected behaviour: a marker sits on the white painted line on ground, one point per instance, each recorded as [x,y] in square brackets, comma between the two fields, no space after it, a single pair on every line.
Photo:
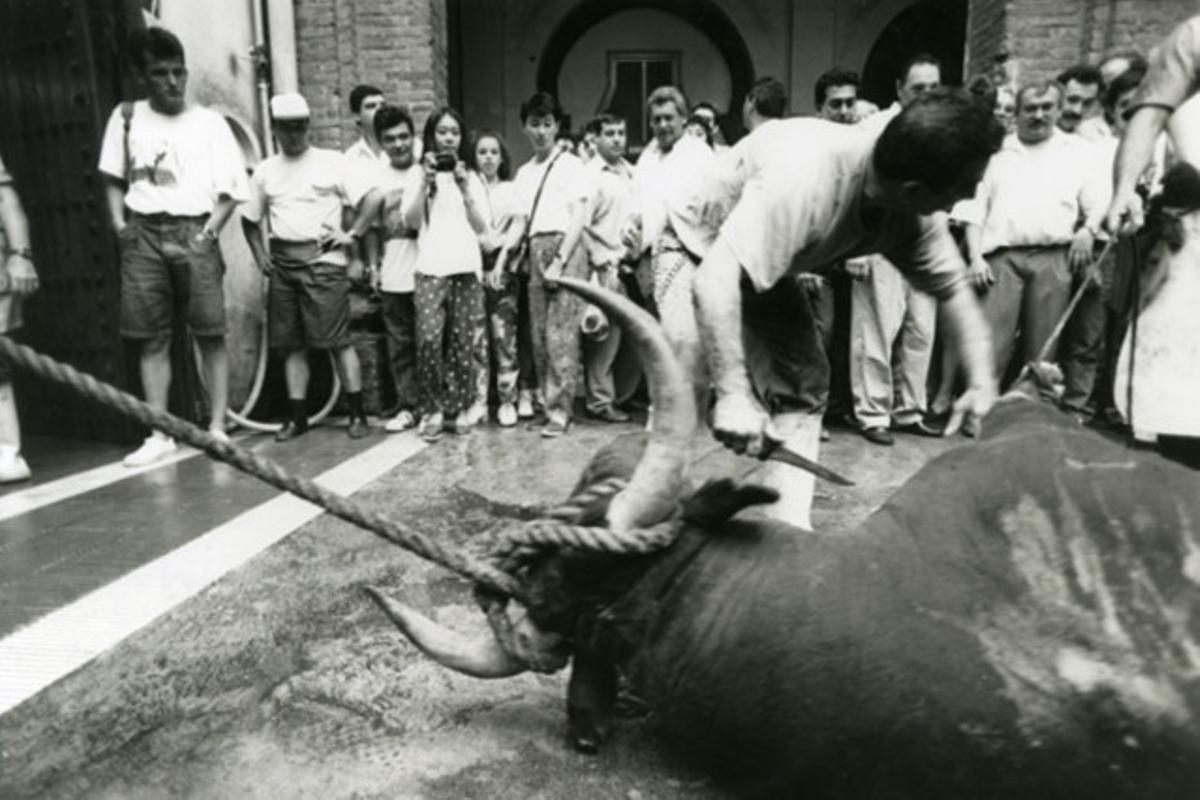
[14,504]
[57,644]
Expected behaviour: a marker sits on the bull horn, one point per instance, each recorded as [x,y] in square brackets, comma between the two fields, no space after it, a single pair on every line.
[482,658]
[656,485]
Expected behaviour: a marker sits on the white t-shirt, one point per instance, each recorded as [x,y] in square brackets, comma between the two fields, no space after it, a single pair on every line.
[447,244]
[568,182]
[180,163]
[500,203]
[303,197]
[399,252]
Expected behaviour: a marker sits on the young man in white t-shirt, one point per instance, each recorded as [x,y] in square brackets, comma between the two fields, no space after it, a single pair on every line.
[555,250]
[393,273]
[303,192]
[174,174]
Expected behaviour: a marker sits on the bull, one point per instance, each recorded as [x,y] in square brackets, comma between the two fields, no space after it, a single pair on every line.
[1019,620]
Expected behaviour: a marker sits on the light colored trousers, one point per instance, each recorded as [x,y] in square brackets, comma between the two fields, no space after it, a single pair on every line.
[599,356]
[891,342]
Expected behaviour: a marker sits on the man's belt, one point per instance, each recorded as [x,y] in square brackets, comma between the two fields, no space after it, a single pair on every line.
[292,253]
[405,234]
[161,217]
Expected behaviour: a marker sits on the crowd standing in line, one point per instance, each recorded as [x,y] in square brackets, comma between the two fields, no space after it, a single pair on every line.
[796,272]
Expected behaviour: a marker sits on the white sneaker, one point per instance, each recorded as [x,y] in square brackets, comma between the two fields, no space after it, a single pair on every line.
[477,413]
[401,422]
[507,415]
[12,466]
[219,434]
[154,448]
[525,405]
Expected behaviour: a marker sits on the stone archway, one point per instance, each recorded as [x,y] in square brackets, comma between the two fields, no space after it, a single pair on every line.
[703,15]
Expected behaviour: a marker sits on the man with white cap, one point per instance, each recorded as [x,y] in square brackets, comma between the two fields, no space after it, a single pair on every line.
[174,174]
[305,192]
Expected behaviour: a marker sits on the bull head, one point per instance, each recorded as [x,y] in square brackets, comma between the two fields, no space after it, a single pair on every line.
[653,494]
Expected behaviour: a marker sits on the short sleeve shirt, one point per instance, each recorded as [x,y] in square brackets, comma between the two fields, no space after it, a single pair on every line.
[613,195]
[805,207]
[447,244]
[302,198]
[1174,73]
[399,244]
[567,182]
[500,200]
[179,164]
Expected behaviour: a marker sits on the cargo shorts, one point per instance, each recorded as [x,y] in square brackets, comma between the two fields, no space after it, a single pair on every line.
[166,269]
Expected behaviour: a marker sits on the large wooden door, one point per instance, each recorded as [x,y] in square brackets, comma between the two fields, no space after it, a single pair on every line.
[60,77]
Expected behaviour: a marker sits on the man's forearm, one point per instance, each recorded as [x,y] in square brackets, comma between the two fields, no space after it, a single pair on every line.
[13,220]
[969,329]
[254,239]
[1137,147]
[114,195]
[220,213]
[718,300]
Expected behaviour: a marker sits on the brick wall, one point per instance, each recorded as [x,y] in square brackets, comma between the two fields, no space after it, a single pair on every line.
[1042,37]
[397,45]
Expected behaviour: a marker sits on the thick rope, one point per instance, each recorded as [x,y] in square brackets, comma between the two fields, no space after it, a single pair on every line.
[261,468]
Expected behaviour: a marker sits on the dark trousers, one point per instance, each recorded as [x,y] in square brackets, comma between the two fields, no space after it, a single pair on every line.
[400,323]
[785,348]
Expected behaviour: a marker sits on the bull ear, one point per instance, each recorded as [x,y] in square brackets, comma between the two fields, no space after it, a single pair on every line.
[481,658]
[653,491]
[718,500]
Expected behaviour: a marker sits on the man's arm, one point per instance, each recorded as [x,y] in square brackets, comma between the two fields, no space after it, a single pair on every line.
[222,208]
[738,419]
[254,238]
[970,331]
[114,196]
[1133,156]
[17,273]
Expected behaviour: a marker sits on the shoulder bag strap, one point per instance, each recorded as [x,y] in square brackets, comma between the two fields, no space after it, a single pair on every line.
[127,119]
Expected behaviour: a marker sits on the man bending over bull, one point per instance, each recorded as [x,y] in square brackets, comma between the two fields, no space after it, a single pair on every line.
[839,194]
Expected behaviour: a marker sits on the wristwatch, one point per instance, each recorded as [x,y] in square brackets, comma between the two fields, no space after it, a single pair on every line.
[205,233]
[23,252]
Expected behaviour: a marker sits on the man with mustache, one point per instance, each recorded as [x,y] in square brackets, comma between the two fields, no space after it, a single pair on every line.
[1081,102]
[1023,235]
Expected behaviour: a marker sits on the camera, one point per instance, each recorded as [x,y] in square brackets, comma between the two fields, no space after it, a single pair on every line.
[445,162]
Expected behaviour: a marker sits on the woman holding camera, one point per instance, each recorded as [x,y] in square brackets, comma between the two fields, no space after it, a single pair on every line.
[446,206]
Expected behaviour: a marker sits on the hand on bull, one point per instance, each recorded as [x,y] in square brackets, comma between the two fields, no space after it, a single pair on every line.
[743,425]
[970,409]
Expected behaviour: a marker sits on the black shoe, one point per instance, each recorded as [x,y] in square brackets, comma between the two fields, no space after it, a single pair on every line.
[358,428]
[919,428]
[290,430]
[609,414]
[878,435]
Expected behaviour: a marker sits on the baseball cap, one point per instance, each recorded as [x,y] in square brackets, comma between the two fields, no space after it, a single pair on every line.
[289,105]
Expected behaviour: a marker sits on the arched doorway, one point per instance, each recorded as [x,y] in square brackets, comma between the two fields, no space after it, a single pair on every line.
[606,52]
[938,27]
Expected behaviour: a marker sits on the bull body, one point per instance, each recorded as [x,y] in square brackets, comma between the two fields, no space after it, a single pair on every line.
[1019,620]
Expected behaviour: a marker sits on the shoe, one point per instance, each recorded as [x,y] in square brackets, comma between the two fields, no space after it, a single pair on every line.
[154,448]
[464,422]
[609,414]
[555,428]
[358,428]
[431,427]
[525,406]
[219,434]
[878,435]
[919,428]
[507,415]
[401,422]
[12,466]
[290,430]
[824,434]
[477,413]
